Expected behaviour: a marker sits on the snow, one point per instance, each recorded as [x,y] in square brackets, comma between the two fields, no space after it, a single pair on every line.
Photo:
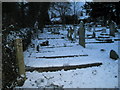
[104,76]
[83,17]
[56,19]
[95,77]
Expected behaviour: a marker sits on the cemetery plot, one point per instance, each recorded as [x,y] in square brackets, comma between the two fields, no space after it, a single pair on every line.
[61,56]
[72,67]
[60,45]
[68,55]
[59,48]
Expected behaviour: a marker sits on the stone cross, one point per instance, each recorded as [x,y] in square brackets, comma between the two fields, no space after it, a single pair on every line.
[82,34]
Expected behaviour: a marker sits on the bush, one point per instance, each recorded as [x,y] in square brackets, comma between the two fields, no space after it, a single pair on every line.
[10,69]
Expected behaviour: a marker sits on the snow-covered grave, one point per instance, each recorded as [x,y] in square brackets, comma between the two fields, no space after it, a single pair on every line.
[57,53]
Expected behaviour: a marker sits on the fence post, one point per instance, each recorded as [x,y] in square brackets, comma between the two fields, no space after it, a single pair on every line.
[20,58]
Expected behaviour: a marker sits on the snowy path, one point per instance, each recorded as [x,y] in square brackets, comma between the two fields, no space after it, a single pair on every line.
[104,76]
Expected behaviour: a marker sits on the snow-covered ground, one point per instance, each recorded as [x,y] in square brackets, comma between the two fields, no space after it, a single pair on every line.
[104,76]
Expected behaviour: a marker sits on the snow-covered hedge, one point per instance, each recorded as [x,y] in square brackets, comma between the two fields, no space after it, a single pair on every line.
[25,34]
[8,53]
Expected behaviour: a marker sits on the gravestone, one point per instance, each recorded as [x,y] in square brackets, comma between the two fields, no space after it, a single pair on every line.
[75,32]
[103,30]
[93,28]
[112,28]
[36,45]
[68,33]
[71,33]
[37,48]
[20,61]
[88,28]
[82,34]
[113,55]
[53,30]
[93,35]
[56,31]
[36,25]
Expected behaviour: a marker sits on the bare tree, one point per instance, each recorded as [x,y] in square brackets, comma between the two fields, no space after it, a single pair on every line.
[60,8]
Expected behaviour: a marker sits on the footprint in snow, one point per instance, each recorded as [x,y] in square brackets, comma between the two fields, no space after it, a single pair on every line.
[94,72]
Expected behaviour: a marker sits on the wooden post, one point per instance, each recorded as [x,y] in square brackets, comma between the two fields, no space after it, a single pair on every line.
[82,34]
[20,58]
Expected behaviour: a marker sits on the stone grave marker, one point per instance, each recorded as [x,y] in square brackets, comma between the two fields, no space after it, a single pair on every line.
[104,30]
[68,33]
[71,33]
[82,34]
[112,28]
[113,55]
[20,60]
[93,28]
[88,28]
[54,30]
[94,34]
[75,32]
